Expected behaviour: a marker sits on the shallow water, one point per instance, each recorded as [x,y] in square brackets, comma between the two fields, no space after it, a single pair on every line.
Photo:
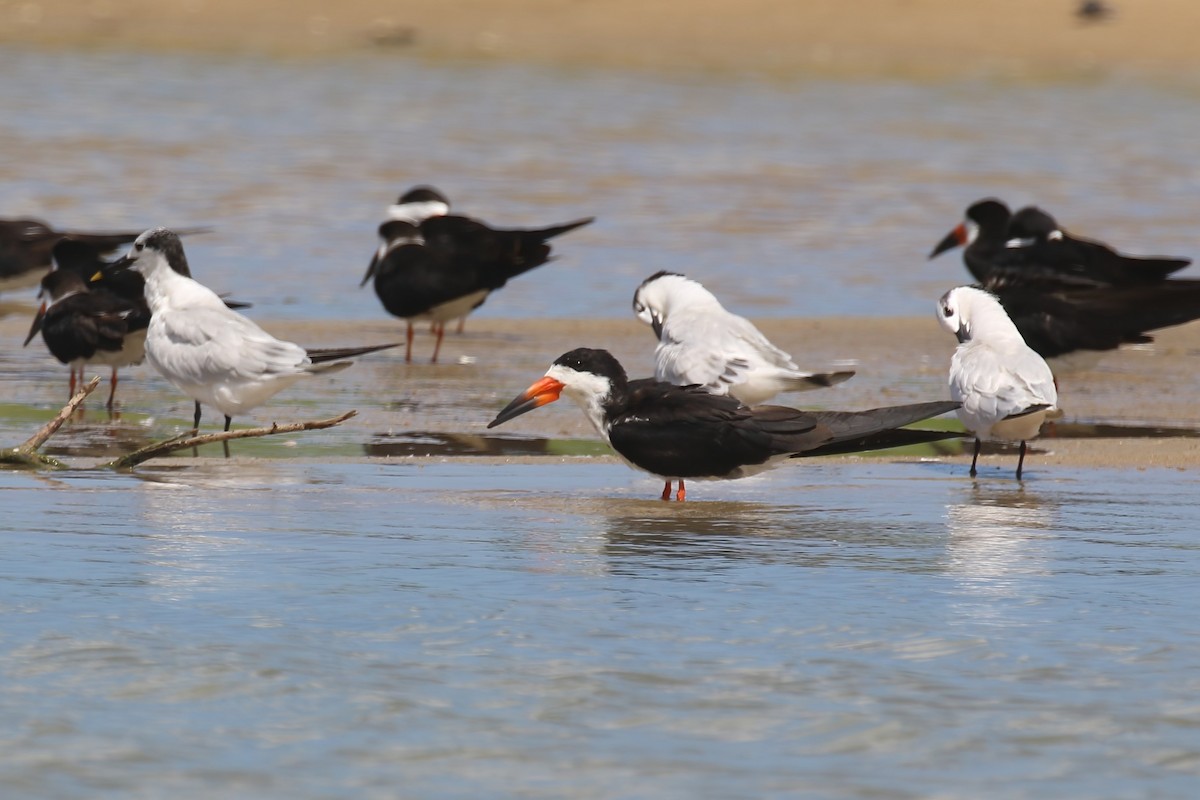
[289,629]
[811,197]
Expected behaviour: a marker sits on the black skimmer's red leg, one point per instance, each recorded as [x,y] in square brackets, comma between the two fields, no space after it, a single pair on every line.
[672,431]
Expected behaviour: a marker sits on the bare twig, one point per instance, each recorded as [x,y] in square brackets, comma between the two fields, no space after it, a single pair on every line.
[25,454]
[191,439]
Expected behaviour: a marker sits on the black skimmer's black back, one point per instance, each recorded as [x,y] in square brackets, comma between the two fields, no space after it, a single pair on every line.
[1066,294]
[684,432]
[1039,250]
[82,326]
[26,246]
[440,266]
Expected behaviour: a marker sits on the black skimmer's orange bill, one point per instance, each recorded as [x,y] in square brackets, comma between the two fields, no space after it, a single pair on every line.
[683,432]
[441,267]
[208,351]
[699,342]
[1029,248]
[1006,389]
[81,326]
[1065,294]
[982,233]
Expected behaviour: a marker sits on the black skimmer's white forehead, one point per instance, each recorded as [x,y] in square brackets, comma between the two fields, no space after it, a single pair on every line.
[1006,389]
[1030,225]
[441,267]
[1067,294]
[683,432]
[986,221]
[700,342]
[418,204]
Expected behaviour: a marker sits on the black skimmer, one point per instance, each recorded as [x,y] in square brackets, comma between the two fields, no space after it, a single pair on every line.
[683,432]
[26,246]
[1038,245]
[1066,294]
[1006,389]
[699,342]
[440,267]
[105,289]
[1030,248]
[84,326]
[207,350]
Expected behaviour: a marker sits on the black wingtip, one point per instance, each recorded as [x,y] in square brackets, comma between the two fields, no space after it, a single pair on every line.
[321,355]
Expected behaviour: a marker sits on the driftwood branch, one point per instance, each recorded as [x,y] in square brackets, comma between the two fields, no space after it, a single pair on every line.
[192,439]
[26,455]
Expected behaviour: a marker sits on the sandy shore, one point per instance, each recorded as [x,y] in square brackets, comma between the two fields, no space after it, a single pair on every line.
[907,38]
[897,361]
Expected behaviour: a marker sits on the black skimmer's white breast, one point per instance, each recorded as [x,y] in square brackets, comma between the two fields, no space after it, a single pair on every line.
[84,326]
[1006,389]
[700,342]
[684,432]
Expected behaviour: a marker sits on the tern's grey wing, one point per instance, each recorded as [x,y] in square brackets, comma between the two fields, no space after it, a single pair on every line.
[993,384]
[715,349]
[203,345]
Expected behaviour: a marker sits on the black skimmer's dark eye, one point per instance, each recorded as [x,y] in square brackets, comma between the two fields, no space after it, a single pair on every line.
[947,311]
[138,246]
[638,308]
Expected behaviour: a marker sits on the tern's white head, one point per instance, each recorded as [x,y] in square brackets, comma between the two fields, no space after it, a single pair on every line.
[664,292]
[158,255]
[157,248]
[971,314]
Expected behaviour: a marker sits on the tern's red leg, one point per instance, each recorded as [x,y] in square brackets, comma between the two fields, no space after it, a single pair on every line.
[441,331]
[681,495]
[73,381]
[666,495]
[408,349]
[978,444]
[462,323]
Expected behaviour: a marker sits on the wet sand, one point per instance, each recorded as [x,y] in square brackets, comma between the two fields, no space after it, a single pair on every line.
[868,38]
[897,361]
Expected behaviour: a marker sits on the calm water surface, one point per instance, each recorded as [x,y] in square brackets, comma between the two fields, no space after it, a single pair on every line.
[291,629]
[366,628]
[807,197]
